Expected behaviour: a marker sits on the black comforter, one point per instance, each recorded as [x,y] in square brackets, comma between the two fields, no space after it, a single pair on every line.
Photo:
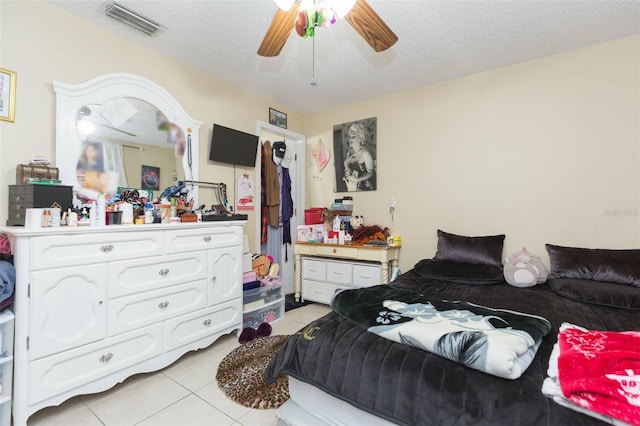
[407,385]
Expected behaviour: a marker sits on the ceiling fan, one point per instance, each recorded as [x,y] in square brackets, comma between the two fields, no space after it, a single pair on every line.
[306,15]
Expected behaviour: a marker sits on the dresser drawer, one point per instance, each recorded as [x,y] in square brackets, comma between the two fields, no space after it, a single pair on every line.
[62,372]
[135,276]
[197,325]
[202,239]
[131,312]
[319,292]
[339,272]
[72,250]
[333,251]
[314,269]
[366,275]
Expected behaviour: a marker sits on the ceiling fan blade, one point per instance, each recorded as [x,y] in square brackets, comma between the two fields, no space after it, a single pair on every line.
[278,32]
[370,26]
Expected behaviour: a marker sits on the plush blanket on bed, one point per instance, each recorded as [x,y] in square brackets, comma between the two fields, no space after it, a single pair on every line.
[596,373]
[495,341]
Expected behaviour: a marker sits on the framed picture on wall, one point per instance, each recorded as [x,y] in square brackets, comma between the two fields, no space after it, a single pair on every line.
[277,118]
[151,177]
[355,155]
[7,95]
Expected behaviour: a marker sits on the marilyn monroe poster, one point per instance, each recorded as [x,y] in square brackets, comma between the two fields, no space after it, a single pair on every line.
[354,146]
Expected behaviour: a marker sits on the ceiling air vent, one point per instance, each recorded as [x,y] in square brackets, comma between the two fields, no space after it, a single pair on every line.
[132,18]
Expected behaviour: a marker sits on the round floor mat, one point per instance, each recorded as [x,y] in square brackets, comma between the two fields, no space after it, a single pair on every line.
[241,374]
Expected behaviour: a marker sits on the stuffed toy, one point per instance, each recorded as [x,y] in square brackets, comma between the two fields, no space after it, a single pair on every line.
[524,269]
[367,234]
[260,264]
[356,222]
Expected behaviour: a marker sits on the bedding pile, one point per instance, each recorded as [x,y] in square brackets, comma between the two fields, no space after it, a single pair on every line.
[596,373]
[495,341]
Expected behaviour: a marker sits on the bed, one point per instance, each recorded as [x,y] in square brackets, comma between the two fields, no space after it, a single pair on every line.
[339,370]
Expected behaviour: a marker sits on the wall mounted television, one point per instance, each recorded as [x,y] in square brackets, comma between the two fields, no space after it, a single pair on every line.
[233,146]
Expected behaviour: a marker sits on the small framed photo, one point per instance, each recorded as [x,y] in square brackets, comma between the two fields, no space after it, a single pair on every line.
[151,177]
[277,118]
[8,95]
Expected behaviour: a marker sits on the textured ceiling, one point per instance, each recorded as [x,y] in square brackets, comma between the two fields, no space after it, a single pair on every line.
[438,40]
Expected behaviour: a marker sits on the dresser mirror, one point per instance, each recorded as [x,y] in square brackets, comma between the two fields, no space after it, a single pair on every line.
[120,130]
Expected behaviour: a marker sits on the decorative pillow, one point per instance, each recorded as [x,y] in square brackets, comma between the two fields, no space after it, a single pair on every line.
[461,273]
[597,292]
[524,269]
[478,250]
[614,266]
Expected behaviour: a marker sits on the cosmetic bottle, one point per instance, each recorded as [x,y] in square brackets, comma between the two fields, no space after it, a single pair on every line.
[101,211]
[72,218]
[148,214]
[174,208]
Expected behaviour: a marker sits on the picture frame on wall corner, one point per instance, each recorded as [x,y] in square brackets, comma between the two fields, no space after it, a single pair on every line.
[7,95]
[277,118]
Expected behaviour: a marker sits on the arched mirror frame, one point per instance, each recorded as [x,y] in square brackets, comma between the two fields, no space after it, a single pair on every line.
[71,97]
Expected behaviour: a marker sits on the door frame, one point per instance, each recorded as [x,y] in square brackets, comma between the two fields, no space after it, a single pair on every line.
[298,194]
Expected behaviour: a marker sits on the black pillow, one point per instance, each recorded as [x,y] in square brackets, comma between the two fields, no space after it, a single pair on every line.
[478,250]
[461,273]
[614,266]
[597,293]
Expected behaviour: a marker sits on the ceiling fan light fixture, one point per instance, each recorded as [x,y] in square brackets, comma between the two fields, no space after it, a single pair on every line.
[285,4]
[342,7]
[132,18]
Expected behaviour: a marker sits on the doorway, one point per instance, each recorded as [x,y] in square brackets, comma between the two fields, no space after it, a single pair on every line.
[285,256]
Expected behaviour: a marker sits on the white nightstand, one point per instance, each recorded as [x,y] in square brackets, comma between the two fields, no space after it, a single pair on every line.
[321,269]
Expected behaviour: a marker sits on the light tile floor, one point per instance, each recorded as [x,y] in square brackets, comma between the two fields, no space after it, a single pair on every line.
[185,393]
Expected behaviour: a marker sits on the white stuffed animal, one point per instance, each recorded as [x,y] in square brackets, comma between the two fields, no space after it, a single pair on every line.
[356,222]
[524,269]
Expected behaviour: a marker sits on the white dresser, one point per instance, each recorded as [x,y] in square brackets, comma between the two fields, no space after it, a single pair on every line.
[95,305]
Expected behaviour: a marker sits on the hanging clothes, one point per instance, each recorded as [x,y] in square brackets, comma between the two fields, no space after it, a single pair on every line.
[264,221]
[272,188]
[286,202]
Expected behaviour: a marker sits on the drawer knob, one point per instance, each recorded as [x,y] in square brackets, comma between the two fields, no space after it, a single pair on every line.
[106,248]
[164,272]
[106,357]
[19,207]
[163,305]
[335,251]
[19,198]
[206,239]
[206,322]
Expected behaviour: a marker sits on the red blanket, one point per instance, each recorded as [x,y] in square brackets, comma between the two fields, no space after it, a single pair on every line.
[600,371]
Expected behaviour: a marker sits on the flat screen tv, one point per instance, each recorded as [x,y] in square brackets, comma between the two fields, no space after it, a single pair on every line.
[233,146]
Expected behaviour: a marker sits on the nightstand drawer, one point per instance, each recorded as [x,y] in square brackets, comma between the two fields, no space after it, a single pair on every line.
[319,292]
[314,269]
[339,273]
[366,275]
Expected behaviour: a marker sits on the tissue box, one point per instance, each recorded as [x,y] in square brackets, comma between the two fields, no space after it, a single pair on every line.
[311,233]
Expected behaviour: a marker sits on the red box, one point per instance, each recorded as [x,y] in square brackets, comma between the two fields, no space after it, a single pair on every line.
[313,216]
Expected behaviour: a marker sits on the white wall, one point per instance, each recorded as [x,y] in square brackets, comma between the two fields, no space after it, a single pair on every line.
[43,43]
[543,151]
